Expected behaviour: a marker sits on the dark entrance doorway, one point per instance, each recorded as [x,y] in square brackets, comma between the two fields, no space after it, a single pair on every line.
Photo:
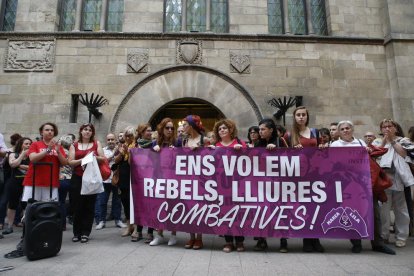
[178,109]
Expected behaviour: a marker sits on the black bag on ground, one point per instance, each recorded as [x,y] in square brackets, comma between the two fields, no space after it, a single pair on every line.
[43,224]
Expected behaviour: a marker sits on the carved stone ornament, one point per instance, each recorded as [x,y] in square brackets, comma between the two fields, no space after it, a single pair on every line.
[239,63]
[30,56]
[189,51]
[137,61]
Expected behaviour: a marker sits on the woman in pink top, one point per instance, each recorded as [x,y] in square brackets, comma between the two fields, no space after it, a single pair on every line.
[226,134]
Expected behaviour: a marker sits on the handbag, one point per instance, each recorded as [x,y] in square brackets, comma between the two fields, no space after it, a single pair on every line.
[105,169]
[92,179]
[115,178]
[380,180]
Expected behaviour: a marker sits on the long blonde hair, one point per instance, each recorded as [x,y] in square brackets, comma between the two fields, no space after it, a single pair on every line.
[296,129]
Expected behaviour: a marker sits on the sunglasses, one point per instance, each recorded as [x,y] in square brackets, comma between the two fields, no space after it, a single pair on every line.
[169,128]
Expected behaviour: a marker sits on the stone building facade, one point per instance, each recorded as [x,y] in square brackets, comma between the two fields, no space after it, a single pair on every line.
[362,69]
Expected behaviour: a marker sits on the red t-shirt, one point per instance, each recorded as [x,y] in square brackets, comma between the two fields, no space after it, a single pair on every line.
[79,154]
[234,142]
[308,142]
[43,171]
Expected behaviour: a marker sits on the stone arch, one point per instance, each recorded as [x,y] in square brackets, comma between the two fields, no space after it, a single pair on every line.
[187,81]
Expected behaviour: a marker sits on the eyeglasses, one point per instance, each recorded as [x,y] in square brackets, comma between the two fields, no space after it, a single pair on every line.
[366,136]
[169,128]
[254,132]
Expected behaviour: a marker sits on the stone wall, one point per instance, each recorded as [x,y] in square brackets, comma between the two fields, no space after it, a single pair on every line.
[37,16]
[337,81]
[355,18]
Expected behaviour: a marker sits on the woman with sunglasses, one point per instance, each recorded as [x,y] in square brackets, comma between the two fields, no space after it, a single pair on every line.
[225,132]
[165,139]
[83,205]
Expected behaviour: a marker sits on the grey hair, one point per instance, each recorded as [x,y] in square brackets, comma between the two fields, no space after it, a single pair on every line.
[130,130]
[346,122]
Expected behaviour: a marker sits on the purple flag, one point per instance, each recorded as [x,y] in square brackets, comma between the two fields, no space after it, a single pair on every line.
[308,193]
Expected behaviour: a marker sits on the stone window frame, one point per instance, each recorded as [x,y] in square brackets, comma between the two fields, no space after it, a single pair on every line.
[79,25]
[3,5]
[184,16]
[307,6]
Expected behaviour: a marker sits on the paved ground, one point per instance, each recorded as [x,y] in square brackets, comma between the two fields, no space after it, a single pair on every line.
[107,253]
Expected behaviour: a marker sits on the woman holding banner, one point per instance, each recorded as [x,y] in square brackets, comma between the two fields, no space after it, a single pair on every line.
[302,137]
[270,139]
[166,139]
[144,141]
[194,138]
[346,139]
[225,132]
[83,205]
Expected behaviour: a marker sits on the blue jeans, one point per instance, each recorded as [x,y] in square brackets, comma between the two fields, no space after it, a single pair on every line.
[63,192]
[102,203]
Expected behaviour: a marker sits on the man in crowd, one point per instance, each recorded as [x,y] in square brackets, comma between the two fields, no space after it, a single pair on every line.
[369,137]
[333,129]
[102,199]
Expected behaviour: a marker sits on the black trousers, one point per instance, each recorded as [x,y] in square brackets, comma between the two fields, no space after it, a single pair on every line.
[83,207]
[229,239]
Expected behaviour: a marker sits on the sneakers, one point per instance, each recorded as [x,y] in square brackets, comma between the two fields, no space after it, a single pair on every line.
[240,247]
[283,246]
[172,241]
[100,225]
[7,231]
[120,224]
[398,243]
[157,240]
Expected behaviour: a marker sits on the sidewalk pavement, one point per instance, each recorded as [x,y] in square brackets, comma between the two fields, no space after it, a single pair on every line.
[107,253]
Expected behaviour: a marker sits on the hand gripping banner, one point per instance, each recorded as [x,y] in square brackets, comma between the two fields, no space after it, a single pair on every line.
[307,193]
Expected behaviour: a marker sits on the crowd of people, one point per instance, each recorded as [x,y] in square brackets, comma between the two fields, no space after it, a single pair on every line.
[391,150]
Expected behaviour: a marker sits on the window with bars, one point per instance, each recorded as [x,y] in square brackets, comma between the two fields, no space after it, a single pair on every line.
[8,15]
[90,16]
[295,15]
[196,16]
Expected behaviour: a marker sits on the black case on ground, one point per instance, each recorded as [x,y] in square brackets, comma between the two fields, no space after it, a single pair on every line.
[43,224]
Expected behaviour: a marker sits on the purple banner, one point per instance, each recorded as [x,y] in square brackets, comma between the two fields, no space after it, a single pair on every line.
[306,193]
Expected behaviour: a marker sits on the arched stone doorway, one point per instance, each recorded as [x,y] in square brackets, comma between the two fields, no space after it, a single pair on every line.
[180,108]
[187,82]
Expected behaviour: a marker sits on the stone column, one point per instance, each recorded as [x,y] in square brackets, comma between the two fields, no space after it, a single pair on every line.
[78,18]
[104,16]
[208,15]
[309,17]
[184,16]
[285,17]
